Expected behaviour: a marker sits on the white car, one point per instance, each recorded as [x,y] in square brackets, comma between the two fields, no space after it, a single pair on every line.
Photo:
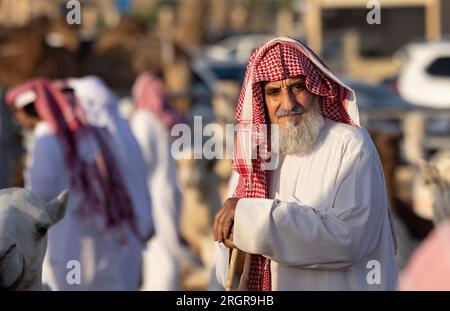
[425,80]
[236,48]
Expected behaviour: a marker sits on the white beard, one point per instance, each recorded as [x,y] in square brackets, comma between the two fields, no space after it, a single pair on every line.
[300,139]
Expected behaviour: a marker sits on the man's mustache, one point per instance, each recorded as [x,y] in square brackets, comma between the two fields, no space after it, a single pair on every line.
[296,110]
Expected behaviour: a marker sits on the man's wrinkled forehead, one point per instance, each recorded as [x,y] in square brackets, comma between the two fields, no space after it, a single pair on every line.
[284,82]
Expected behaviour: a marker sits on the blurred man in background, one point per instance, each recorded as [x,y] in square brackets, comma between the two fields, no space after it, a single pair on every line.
[5,134]
[101,222]
[152,122]
[101,107]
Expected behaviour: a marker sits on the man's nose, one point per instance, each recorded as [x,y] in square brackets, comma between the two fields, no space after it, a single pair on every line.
[288,101]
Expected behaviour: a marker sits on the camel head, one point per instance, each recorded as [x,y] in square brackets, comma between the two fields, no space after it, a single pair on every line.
[436,176]
[24,221]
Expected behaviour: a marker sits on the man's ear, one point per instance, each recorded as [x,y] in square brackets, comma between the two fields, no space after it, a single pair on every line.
[56,208]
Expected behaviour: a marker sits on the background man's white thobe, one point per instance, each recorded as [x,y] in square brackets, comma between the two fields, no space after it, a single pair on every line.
[74,238]
[101,107]
[326,225]
[161,265]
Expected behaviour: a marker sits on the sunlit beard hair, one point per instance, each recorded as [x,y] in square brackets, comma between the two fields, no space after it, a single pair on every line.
[300,139]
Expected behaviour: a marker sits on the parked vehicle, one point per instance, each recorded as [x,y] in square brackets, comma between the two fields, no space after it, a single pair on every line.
[425,79]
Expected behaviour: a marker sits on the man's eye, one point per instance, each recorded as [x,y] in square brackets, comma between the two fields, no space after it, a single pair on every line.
[299,87]
[272,92]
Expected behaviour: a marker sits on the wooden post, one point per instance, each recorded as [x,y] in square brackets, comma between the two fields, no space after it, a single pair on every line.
[190,30]
[314,25]
[433,19]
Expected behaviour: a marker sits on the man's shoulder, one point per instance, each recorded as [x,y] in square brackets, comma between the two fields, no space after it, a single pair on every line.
[44,138]
[143,119]
[42,129]
[352,136]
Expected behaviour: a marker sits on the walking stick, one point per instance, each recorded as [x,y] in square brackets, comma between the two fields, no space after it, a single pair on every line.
[232,268]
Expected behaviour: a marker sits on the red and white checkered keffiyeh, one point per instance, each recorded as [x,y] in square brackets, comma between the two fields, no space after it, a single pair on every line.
[150,93]
[279,59]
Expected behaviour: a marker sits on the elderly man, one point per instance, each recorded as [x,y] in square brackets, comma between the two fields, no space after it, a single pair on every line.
[319,220]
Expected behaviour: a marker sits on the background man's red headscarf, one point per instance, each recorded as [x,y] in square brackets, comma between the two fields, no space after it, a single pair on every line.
[150,93]
[279,59]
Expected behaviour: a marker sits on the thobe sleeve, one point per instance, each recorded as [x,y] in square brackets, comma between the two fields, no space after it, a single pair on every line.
[44,166]
[162,177]
[165,190]
[332,237]
[222,253]
[134,173]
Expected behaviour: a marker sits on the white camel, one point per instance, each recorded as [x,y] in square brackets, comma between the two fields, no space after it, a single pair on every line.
[24,221]
[428,268]
[436,176]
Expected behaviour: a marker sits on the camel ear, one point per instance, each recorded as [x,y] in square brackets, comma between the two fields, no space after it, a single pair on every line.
[56,208]
[429,172]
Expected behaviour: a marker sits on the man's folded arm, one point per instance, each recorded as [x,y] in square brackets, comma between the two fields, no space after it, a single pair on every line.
[293,233]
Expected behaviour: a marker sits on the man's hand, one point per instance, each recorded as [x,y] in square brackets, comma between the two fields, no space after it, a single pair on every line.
[224,221]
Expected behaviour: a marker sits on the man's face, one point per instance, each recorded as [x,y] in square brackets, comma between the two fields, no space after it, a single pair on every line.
[69,94]
[297,113]
[287,100]
[27,121]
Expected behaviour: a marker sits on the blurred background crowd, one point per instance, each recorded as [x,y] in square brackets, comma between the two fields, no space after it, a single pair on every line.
[400,70]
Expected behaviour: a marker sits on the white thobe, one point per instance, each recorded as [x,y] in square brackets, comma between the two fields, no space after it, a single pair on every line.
[160,266]
[74,244]
[326,224]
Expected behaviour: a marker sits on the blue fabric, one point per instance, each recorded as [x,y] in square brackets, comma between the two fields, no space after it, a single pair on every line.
[123,6]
